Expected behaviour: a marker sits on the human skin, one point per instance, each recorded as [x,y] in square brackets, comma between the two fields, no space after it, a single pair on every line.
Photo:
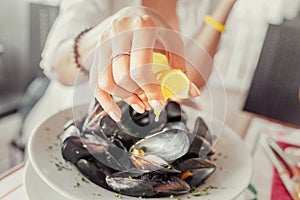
[118,79]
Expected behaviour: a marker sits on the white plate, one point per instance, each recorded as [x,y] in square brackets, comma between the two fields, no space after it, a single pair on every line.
[233,174]
[36,188]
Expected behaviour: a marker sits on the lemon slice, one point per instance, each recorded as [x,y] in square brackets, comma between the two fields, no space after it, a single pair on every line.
[174,83]
[160,63]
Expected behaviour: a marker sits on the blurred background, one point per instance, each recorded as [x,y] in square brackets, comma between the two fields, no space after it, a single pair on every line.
[262,37]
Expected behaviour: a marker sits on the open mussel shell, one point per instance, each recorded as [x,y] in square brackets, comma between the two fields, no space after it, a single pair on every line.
[200,128]
[129,183]
[70,129]
[175,125]
[104,151]
[147,184]
[110,128]
[107,153]
[200,168]
[199,147]
[166,184]
[174,112]
[148,165]
[73,149]
[140,125]
[91,122]
[167,144]
[94,171]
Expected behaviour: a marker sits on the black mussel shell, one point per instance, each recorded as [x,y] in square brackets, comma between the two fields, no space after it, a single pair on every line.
[199,147]
[129,183]
[94,171]
[200,168]
[166,184]
[110,128]
[73,149]
[200,128]
[174,112]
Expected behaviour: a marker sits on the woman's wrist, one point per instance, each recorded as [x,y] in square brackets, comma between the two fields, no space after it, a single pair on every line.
[222,10]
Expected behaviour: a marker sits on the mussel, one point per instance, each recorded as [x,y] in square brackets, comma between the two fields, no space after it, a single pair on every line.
[147,185]
[199,169]
[140,156]
[168,144]
[201,129]
[94,171]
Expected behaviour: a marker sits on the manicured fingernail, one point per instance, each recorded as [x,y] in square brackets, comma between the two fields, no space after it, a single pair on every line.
[147,105]
[194,91]
[114,116]
[155,104]
[138,108]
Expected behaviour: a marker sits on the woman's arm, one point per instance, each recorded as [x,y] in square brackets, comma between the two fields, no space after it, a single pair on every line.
[209,38]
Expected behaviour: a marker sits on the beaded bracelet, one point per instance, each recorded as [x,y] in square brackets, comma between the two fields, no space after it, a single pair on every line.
[217,25]
[76,52]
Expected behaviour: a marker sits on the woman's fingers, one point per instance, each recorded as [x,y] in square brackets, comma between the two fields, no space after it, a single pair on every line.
[141,61]
[132,102]
[121,47]
[108,104]
[106,83]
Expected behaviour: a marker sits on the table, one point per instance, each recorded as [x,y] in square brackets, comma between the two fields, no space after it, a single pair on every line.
[11,184]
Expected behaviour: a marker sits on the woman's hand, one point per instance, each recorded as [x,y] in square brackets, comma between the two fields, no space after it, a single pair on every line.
[124,60]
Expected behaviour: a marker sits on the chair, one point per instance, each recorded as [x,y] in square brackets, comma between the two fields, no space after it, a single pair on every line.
[275,88]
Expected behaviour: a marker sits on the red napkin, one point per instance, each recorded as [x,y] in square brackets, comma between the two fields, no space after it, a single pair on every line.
[278,189]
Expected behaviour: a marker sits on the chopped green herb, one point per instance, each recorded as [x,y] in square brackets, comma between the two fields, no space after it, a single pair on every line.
[84,180]
[215,159]
[77,185]
[50,147]
[219,154]
[212,187]
[118,195]
[144,148]
[193,189]
[197,194]
[60,167]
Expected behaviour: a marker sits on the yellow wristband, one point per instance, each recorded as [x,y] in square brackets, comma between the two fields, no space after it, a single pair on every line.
[217,25]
